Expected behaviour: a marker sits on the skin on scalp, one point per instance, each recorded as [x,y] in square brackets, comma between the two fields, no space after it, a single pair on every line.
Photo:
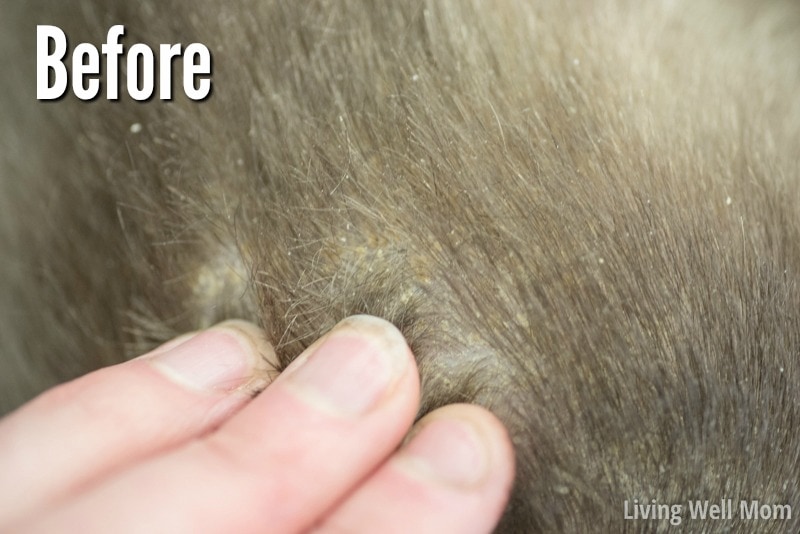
[582,215]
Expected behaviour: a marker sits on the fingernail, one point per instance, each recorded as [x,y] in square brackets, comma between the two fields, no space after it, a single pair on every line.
[447,451]
[171,344]
[222,358]
[352,367]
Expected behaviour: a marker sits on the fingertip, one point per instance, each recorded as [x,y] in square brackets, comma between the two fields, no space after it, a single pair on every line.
[264,362]
[359,365]
[463,447]
[140,408]
[230,356]
[454,474]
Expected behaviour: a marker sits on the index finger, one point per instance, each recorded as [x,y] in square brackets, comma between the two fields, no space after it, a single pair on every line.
[81,431]
[281,462]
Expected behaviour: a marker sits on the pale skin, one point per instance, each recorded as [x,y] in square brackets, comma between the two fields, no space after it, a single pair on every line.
[175,441]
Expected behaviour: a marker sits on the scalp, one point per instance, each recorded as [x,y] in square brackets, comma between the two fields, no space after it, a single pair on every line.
[582,215]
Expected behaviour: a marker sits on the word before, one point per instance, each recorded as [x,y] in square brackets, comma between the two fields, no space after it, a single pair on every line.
[140,73]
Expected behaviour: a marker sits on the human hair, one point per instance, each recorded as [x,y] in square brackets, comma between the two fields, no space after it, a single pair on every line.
[582,215]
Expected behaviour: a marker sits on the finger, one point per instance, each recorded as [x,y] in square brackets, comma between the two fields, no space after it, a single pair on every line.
[82,430]
[454,476]
[284,459]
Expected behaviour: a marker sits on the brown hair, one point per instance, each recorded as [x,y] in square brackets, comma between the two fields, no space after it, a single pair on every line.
[583,215]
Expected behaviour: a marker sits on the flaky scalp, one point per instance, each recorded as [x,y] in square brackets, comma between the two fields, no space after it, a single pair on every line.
[583,215]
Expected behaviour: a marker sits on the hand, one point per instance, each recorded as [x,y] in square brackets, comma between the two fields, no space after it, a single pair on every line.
[174,442]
